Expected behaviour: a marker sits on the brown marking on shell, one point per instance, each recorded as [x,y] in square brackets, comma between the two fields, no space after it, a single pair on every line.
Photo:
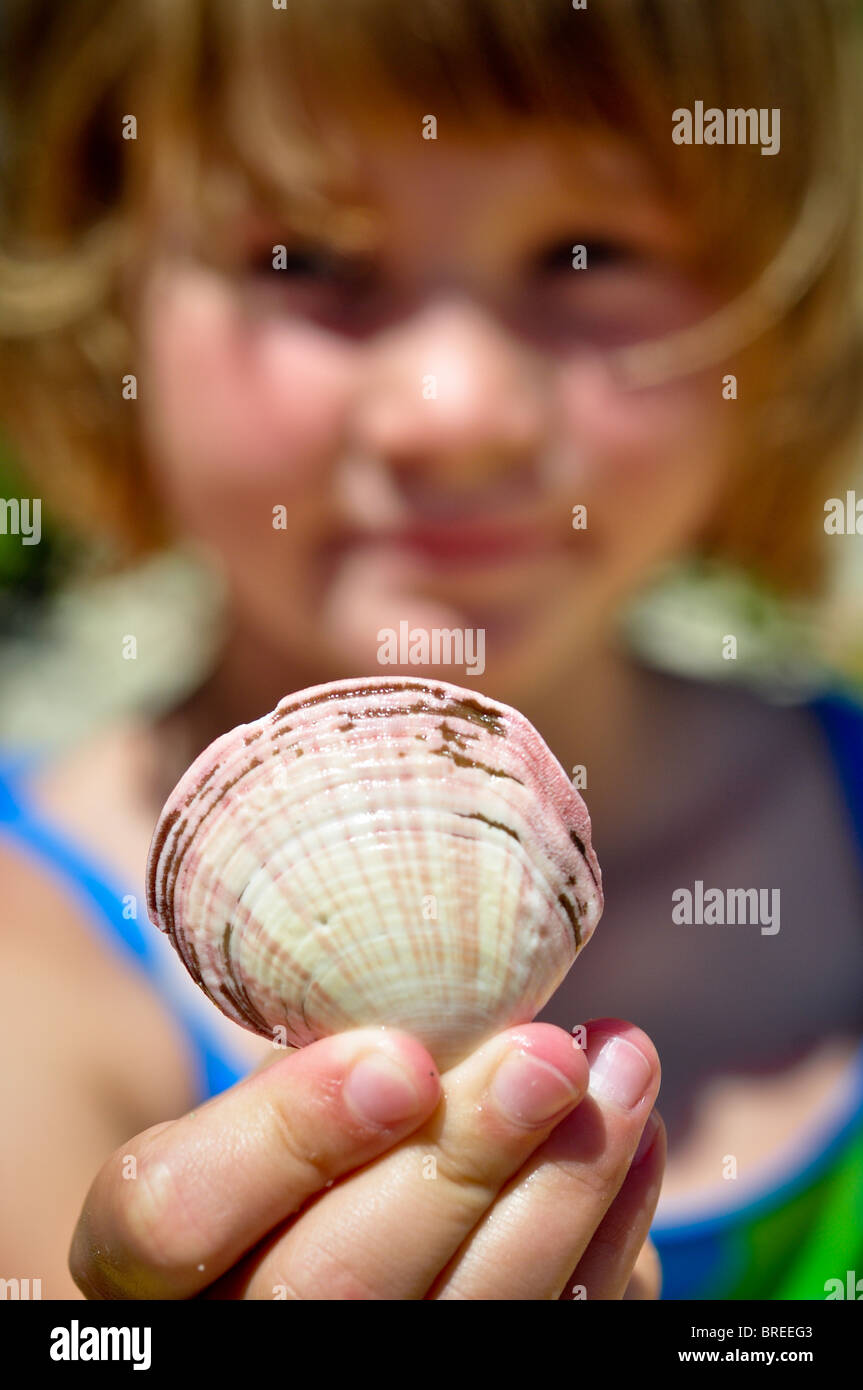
[579,844]
[154,878]
[370,712]
[471,710]
[163,830]
[467,707]
[189,956]
[237,992]
[570,912]
[486,820]
[179,849]
[455,736]
[233,781]
[461,761]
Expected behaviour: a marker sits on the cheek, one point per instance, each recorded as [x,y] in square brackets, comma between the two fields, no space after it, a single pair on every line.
[238,410]
[652,464]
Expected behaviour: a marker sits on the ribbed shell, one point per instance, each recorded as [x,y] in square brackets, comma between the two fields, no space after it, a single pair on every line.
[377,851]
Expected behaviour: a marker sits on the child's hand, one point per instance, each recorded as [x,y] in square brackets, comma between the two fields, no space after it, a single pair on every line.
[495,1192]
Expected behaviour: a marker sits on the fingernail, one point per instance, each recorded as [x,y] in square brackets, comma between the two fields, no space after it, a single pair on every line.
[529,1090]
[619,1072]
[379,1090]
[648,1134]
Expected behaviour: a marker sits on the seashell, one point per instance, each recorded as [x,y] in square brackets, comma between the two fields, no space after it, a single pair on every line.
[392,851]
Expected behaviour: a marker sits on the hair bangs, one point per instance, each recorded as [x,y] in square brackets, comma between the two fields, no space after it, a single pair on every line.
[250,98]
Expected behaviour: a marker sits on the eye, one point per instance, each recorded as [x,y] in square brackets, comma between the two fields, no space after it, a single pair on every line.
[314,282]
[309,265]
[600,255]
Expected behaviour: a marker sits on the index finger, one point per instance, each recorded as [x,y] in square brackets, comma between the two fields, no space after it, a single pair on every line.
[204,1189]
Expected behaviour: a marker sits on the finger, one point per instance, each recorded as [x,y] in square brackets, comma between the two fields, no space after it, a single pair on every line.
[646,1281]
[607,1266]
[204,1189]
[543,1222]
[271,1059]
[387,1231]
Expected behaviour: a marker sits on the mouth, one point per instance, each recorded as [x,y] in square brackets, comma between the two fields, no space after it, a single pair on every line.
[472,544]
[497,575]
[457,545]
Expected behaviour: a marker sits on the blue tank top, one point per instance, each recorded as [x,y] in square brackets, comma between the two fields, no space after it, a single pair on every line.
[800,1237]
[111,912]
[787,1243]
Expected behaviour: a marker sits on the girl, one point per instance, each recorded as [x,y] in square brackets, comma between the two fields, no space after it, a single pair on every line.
[428,314]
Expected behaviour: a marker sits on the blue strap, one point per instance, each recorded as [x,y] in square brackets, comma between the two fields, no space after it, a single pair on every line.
[103,903]
[68,864]
[841,718]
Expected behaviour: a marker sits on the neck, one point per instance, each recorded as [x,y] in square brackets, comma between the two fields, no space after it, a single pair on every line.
[248,680]
[595,717]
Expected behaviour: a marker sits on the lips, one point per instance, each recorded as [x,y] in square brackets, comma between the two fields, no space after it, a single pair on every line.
[464,545]
[472,543]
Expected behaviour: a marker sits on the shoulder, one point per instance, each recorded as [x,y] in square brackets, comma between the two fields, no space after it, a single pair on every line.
[98,785]
[746,784]
[805,759]
[727,722]
[712,754]
[67,996]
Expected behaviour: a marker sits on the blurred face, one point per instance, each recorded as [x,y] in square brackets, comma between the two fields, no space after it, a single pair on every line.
[425,429]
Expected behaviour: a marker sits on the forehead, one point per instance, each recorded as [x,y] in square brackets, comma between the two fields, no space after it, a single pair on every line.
[375,175]
[393,182]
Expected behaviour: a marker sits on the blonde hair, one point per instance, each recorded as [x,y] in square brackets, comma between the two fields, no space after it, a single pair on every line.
[219,89]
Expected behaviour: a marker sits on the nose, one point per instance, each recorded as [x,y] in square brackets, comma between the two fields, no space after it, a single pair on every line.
[453,396]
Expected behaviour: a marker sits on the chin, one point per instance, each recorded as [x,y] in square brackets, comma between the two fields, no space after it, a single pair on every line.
[509,654]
